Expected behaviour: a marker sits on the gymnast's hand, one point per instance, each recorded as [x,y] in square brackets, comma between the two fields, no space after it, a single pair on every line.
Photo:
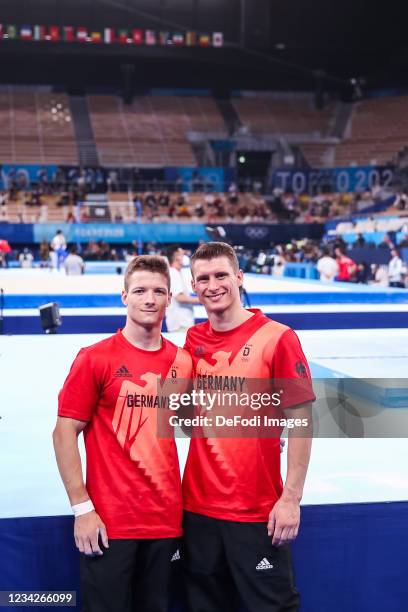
[87,529]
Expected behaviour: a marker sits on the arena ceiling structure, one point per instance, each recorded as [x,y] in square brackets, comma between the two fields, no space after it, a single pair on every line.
[267,44]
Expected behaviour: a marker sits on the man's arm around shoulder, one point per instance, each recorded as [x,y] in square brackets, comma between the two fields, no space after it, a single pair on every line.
[88,526]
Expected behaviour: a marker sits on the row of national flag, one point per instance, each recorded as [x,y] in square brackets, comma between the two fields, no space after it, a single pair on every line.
[134,36]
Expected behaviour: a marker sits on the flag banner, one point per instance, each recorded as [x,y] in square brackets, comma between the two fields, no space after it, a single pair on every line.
[26,33]
[137,36]
[204,40]
[150,37]
[178,38]
[109,36]
[96,37]
[164,38]
[54,33]
[191,39]
[82,34]
[68,33]
[123,36]
[12,32]
[39,32]
[218,39]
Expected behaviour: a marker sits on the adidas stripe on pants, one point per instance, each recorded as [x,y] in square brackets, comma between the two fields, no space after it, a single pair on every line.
[227,563]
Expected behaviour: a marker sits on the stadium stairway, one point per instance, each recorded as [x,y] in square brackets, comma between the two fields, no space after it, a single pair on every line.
[86,146]
[229,114]
[341,120]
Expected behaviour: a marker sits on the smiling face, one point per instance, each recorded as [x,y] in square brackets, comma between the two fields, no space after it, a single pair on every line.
[217,284]
[146,298]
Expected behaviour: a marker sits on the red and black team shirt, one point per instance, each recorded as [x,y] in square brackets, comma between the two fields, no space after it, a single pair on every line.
[132,476]
[239,479]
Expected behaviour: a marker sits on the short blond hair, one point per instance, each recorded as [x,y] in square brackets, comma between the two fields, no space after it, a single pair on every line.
[150,263]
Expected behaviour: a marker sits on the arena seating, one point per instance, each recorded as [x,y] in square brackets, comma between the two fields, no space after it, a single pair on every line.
[379,129]
[36,127]
[283,114]
[152,131]
[318,154]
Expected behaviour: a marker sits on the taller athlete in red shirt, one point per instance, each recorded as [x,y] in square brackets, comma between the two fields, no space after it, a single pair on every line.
[128,515]
[239,518]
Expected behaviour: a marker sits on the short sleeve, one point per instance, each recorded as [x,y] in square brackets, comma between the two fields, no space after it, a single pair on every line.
[79,396]
[290,368]
[187,343]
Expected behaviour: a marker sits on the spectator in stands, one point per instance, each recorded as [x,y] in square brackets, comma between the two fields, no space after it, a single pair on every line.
[243,213]
[327,266]
[404,242]
[44,254]
[401,201]
[219,209]
[233,194]
[81,183]
[112,181]
[199,210]
[26,258]
[4,218]
[396,270]
[70,217]
[259,212]
[91,252]
[386,243]
[104,250]
[74,264]
[64,198]
[363,273]
[347,267]
[180,313]
[150,202]
[138,206]
[164,200]
[380,275]
[279,261]
[36,198]
[3,198]
[360,241]
[231,213]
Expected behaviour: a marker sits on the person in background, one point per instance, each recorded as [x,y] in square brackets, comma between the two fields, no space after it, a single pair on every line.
[59,248]
[74,264]
[327,266]
[44,254]
[396,270]
[347,267]
[380,275]
[26,259]
[180,313]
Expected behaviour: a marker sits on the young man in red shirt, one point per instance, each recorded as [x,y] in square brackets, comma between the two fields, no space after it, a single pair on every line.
[347,267]
[128,515]
[239,518]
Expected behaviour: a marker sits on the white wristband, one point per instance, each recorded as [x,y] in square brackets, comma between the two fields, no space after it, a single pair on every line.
[83,508]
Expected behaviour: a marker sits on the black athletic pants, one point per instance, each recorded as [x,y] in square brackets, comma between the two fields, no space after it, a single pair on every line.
[224,558]
[131,576]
